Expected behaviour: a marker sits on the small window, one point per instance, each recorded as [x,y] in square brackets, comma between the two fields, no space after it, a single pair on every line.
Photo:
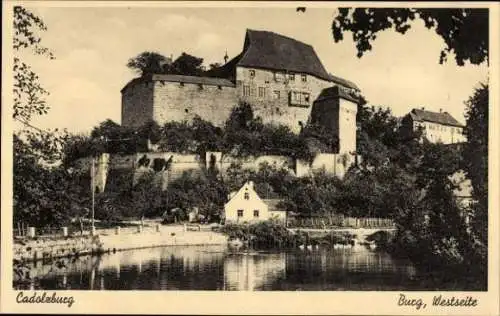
[279,76]
[262,92]
[240,213]
[306,98]
[291,77]
[276,95]
[256,213]
[246,196]
[219,87]
[304,78]
[200,86]
[186,110]
[182,84]
[252,73]
[246,91]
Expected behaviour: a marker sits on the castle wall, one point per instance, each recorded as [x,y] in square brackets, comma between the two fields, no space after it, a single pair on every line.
[137,104]
[174,101]
[347,126]
[260,88]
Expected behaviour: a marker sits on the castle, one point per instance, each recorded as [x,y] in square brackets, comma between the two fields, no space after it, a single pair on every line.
[281,78]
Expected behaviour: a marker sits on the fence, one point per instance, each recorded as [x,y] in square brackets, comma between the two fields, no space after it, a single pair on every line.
[341,221]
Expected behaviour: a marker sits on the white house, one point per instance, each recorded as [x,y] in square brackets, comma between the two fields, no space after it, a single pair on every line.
[246,206]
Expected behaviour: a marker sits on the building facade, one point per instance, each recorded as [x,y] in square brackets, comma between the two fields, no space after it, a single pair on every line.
[245,206]
[437,127]
[280,77]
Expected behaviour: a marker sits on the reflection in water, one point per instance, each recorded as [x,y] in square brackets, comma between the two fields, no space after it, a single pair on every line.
[215,268]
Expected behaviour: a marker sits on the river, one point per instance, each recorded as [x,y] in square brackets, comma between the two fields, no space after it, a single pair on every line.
[217,268]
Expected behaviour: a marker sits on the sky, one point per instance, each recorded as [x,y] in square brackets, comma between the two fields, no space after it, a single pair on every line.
[93,45]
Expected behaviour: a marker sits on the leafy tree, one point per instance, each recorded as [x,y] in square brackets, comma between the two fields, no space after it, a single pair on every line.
[29,94]
[188,65]
[475,157]
[44,192]
[464,31]
[148,63]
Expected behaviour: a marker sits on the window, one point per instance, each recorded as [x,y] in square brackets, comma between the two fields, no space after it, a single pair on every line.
[246,196]
[304,78]
[200,86]
[246,91]
[276,95]
[291,77]
[306,98]
[240,213]
[219,87]
[252,73]
[299,98]
[186,110]
[279,76]
[256,213]
[262,92]
[181,84]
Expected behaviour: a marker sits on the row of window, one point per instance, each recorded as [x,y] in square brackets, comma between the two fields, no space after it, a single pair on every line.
[282,76]
[255,213]
[443,128]
[295,97]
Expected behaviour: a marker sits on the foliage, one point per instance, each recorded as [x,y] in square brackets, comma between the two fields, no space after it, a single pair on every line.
[147,63]
[29,95]
[464,31]
[475,158]
[44,192]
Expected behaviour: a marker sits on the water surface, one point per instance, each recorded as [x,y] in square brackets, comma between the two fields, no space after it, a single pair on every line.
[217,268]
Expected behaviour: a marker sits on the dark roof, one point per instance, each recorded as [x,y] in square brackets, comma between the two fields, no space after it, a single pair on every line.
[334,92]
[343,82]
[264,49]
[443,118]
[210,81]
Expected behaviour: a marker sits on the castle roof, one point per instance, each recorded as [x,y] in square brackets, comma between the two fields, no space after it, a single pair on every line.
[443,118]
[210,81]
[264,49]
[269,50]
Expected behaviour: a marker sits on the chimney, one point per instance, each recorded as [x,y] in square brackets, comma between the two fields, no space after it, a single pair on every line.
[440,110]
[423,108]
[226,57]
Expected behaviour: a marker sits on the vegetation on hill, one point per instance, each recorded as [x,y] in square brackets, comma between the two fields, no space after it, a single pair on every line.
[243,135]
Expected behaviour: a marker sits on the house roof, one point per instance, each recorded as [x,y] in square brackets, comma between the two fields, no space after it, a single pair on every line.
[264,49]
[210,81]
[443,118]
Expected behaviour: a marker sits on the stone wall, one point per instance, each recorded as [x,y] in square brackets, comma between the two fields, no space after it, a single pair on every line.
[266,103]
[49,248]
[137,104]
[175,101]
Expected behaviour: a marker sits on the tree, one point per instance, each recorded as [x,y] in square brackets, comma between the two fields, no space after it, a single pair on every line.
[464,31]
[188,65]
[475,157]
[149,63]
[29,95]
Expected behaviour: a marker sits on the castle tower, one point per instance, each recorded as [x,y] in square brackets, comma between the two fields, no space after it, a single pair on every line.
[336,110]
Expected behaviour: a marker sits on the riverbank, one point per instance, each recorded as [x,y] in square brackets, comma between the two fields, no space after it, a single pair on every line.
[108,240]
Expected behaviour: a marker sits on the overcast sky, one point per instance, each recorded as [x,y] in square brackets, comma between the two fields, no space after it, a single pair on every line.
[93,45]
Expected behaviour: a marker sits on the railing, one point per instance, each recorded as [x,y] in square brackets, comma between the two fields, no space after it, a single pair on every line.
[341,221]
